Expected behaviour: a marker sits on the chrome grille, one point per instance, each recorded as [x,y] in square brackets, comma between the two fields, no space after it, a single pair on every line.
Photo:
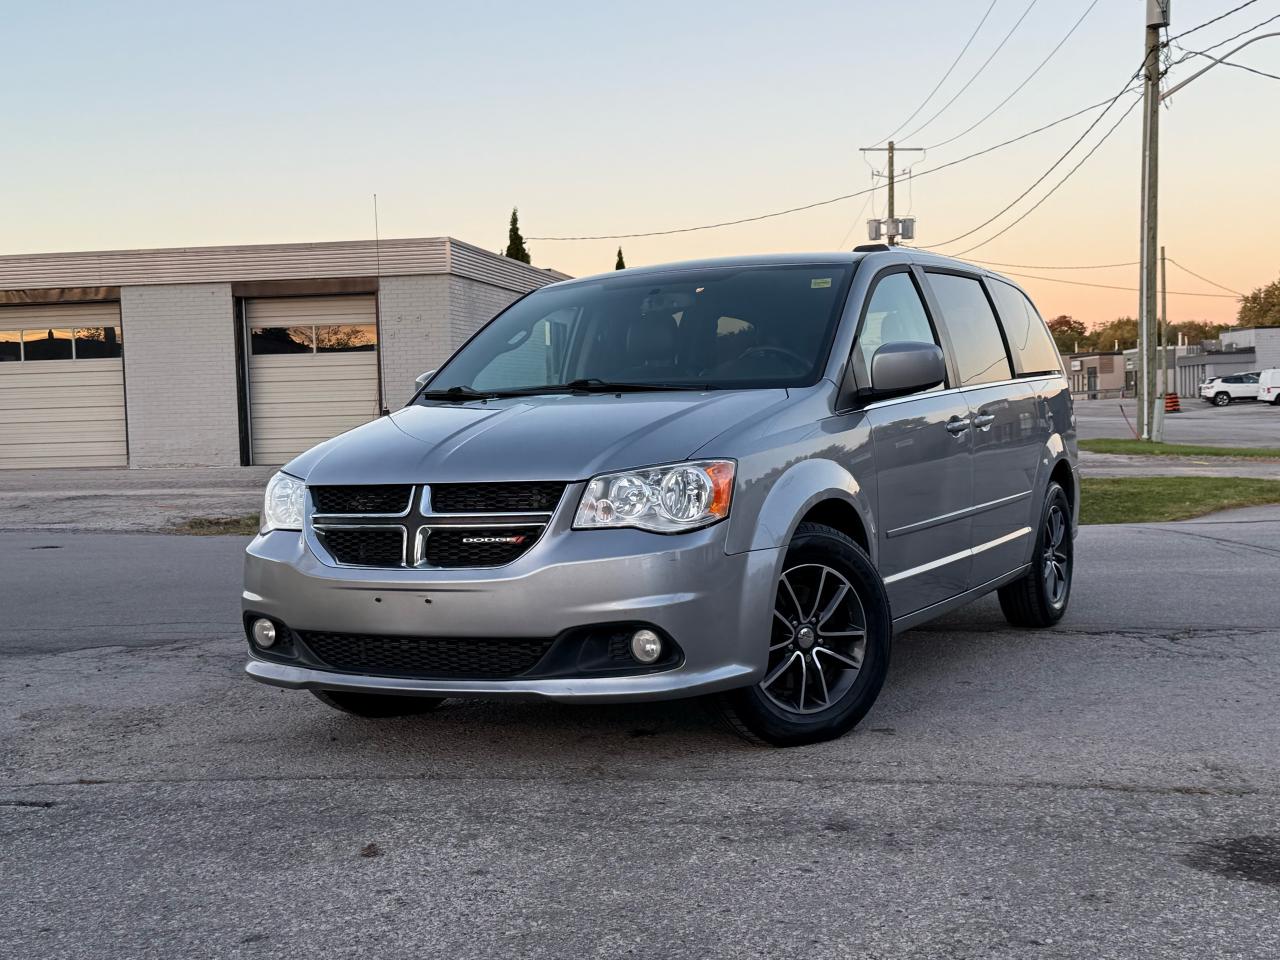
[441,526]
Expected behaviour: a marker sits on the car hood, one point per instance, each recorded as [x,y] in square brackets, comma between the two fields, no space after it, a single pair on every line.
[554,437]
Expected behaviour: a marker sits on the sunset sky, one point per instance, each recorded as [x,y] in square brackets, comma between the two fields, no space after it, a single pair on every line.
[181,124]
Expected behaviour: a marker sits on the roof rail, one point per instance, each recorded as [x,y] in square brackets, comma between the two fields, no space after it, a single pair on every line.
[871,248]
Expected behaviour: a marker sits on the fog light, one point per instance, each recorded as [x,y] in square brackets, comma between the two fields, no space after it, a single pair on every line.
[646,646]
[264,632]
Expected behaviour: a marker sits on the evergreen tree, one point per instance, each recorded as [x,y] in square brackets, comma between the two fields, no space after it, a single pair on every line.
[516,249]
[621,264]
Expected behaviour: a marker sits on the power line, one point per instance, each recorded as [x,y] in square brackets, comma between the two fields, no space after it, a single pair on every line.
[1223,16]
[999,47]
[1232,63]
[1044,176]
[938,86]
[847,196]
[856,220]
[1108,286]
[1041,266]
[1205,279]
[1187,54]
[1054,189]
[1031,76]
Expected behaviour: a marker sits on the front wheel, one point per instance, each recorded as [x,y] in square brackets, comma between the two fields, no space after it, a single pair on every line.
[375,705]
[1221,399]
[828,646]
[1039,598]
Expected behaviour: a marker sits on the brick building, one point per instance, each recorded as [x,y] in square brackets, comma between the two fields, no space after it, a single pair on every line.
[228,355]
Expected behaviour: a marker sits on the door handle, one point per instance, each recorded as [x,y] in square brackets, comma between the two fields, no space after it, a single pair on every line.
[983,421]
[956,426]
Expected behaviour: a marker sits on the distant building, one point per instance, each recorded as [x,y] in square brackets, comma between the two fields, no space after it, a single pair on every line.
[220,356]
[1096,376]
[1235,351]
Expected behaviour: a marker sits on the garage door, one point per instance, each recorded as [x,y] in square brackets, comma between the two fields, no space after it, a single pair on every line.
[313,371]
[62,386]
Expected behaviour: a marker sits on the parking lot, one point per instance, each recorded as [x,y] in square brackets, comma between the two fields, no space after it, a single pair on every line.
[1108,788]
[1239,425]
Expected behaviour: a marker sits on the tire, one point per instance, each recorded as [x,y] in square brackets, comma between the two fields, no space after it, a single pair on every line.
[1221,399]
[794,705]
[1036,599]
[374,705]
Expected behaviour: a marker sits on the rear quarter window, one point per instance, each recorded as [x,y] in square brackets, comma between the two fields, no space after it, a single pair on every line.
[1032,348]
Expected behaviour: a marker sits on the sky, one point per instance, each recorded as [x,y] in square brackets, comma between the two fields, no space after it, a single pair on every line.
[178,123]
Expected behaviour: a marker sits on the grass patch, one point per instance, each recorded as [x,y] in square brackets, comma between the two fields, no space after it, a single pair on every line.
[1156,499]
[245,526]
[1145,448]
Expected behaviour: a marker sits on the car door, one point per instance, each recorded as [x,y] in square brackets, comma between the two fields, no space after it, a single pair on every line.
[1007,412]
[921,446]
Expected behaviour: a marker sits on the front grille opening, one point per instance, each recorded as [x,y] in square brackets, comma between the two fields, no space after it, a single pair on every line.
[426,657]
[384,498]
[533,497]
[478,546]
[375,547]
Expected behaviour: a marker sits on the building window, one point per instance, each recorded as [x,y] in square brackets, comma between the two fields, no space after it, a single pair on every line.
[282,340]
[10,345]
[346,337]
[46,345]
[320,338]
[83,343]
[97,343]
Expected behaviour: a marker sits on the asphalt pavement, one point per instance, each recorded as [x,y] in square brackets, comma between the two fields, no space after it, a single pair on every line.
[1238,425]
[1109,788]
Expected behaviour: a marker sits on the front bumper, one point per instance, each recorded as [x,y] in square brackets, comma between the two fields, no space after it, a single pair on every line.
[717,607]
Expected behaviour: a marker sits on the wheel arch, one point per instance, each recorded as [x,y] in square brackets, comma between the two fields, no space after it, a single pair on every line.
[817,490]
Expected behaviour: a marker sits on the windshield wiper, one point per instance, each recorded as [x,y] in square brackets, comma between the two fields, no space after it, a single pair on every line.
[596,385]
[460,394]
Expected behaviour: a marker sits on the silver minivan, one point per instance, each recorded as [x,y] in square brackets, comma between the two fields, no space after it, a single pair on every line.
[731,478]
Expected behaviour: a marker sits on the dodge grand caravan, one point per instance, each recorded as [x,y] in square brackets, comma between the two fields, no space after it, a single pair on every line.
[729,478]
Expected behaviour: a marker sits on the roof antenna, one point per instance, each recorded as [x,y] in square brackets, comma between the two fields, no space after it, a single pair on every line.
[377,309]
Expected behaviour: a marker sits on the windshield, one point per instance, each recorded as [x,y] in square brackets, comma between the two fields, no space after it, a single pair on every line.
[727,327]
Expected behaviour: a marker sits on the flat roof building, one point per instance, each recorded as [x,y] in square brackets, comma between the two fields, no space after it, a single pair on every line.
[229,355]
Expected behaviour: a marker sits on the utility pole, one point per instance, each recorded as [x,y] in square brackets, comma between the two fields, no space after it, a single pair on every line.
[892,226]
[1157,18]
[1162,351]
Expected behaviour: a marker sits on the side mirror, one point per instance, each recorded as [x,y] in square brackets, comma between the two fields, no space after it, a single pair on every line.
[898,369]
[423,378]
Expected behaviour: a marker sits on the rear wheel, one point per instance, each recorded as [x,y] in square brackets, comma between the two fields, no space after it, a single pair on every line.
[828,647]
[1039,599]
[1221,399]
[376,704]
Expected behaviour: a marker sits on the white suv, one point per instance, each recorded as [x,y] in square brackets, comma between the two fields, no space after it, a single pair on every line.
[1220,391]
[1269,387]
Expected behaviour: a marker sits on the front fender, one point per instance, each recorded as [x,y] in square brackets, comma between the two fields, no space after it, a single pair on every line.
[802,486]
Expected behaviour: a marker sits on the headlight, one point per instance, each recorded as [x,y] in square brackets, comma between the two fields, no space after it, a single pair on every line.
[282,508]
[670,499]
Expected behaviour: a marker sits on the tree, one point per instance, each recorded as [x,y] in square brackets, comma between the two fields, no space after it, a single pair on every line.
[1261,308]
[1067,332]
[1196,331]
[1122,329]
[516,249]
[621,264]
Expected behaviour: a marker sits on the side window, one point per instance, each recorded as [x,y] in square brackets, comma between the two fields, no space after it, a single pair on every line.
[895,314]
[1251,378]
[533,357]
[1033,349]
[975,336]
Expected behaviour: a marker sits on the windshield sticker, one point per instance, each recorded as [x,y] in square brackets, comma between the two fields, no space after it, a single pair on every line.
[819,282]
